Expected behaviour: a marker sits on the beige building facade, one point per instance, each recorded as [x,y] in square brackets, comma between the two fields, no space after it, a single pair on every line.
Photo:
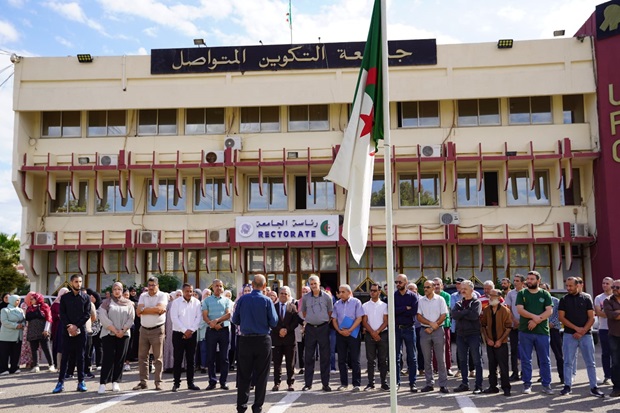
[124,174]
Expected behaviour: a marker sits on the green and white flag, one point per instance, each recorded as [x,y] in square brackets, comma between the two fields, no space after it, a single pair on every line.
[354,164]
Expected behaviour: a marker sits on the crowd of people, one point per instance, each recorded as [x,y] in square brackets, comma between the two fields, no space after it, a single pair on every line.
[191,330]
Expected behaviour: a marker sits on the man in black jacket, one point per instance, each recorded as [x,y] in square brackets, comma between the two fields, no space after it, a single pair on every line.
[467,313]
[283,339]
[74,312]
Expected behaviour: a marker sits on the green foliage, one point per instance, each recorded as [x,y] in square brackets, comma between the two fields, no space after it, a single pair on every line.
[10,279]
[168,283]
[9,245]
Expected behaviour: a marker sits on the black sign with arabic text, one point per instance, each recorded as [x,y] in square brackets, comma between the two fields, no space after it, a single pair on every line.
[286,57]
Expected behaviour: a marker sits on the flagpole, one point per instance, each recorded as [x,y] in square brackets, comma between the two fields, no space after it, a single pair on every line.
[389,250]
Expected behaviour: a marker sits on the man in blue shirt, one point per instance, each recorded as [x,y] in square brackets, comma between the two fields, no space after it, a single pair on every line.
[216,310]
[405,309]
[346,317]
[255,315]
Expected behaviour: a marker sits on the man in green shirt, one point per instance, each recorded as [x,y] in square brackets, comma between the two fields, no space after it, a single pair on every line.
[535,307]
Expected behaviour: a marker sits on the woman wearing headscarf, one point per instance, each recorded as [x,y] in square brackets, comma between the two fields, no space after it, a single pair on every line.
[25,357]
[39,317]
[116,315]
[4,302]
[56,326]
[93,340]
[200,334]
[11,333]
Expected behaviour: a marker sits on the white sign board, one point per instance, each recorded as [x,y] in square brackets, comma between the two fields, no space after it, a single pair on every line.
[292,228]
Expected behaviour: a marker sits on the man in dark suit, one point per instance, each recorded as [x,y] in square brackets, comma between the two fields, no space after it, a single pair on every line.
[283,339]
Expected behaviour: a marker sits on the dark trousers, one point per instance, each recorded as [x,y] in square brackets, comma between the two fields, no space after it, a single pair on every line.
[377,350]
[289,352]
[472,345]
[9,355]
[72,347]
[183,347]
[603,338]
[514,350]
[349,345]
[614,347]
[254,357]
[498,357]
[317,336]
[114,351]
[556,347]
[418,348]
[300,353]
[217,338]
[232,356]
[45,346]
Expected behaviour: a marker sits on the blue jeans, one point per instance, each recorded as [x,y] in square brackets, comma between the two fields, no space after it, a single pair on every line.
[406,335]
[203,353]
[527,342]
[603,336]
[569,348]
[469,346]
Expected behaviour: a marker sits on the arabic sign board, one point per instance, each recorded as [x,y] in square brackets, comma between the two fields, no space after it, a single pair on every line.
[287,228]
[286,57]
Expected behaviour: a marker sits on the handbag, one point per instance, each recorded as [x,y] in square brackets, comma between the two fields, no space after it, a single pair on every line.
[36,326]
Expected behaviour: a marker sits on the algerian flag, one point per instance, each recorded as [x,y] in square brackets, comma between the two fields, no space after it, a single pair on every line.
[354,164]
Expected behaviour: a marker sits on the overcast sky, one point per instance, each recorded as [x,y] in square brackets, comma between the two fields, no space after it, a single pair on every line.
[129,27]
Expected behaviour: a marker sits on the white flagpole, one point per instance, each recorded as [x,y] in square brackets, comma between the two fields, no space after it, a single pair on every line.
[389,253]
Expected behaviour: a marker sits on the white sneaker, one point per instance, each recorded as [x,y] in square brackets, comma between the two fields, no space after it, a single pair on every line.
[17,371]
[4,373]
[36,369]
[53,369]
[101,389]
[527,390]
[116,387]
[126,367]
[98,368]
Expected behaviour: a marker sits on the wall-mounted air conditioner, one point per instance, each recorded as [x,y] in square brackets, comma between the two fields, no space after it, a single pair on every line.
[148,237]
[44,238]
[578,230]
[214,157]
[430,151]
[233,142]
[447,218]
[107,160]
[218,235]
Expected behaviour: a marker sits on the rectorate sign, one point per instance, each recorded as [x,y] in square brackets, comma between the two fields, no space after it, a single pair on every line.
[294,228]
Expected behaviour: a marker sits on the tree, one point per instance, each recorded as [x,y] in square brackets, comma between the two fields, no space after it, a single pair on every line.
[10,279]
[168,283]
[10,245]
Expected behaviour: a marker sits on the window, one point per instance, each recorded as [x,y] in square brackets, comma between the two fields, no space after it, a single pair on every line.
[432,267]
[519,260]
[116,269]
[369,270]
[107,123]
[308,118]
[530,110]
[61,124]
[112,201]
[219,267]
[418,114]
[201,121]
[167,198]
[572,195]
[56,281]
[323,195]
[273,196]
[578,258]
[377,198]
[467,193]
[469,263]
[520,191]
[66,202]
[478,112]
[260,119]
[214,198]
[157,122]
[572,106]
[427,194]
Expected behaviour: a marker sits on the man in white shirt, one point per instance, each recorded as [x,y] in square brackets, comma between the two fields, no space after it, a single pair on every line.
[432,311]
[603,329]
[375,323]
[186,314]
[152,312]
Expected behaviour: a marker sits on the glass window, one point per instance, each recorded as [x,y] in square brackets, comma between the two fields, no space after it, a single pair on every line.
[107,123]
[214,198]
[166,199]
[426,195]
[260,119]
[201,121]
[323,195]
[530,110]
[478,112]
[520,191]
[377,198]
[418,114]
[308,118]
[467,193]
[469,263]
[116,270]
[572,195]
[112,201]
[360,276]
[167,120]
[147,122]
[66,203]
[520,260]
[410,263]
[273,196]
[541,109]
[61,124]
[157,122]
[572,106]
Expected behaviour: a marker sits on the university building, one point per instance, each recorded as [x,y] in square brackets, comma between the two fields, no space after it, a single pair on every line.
[209,163]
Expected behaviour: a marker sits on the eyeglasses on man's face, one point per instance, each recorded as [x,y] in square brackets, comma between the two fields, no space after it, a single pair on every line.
[374,291]
[616,287]
[428,287]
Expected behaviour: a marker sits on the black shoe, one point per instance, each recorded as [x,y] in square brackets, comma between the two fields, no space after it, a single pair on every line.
[301,371]
[68,376]
[594,391]
[477,390]
[462,387]
[539,380]
[385,387]
[175,388]
[444,390]
[224,386]
[491,390]
[306,388]
[413,388]
[426,389]
[211,386]
[326,388]
[193,387]
[565,390]
[203,371]
[89,375]
[369,387]
[515,377]
[231,368]
[507,393]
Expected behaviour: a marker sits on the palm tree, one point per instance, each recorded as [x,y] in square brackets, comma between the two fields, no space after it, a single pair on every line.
[10,246]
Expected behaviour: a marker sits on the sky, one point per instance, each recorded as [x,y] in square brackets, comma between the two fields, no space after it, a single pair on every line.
[131,27]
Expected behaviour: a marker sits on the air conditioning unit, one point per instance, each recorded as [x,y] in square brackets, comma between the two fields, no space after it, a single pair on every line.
[430,151]
[44,238]
[214,157]
[447,218]
[148,237]
[219,235]
[578,230]
[233,142]
[107,160]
